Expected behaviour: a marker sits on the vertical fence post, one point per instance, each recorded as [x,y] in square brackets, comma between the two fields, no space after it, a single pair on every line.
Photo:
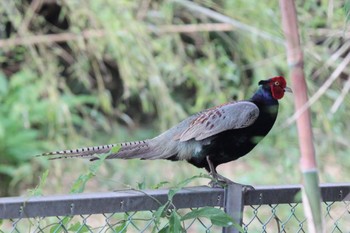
[233,205]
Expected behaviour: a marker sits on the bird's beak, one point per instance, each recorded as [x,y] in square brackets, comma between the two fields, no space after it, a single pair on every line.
[288,89]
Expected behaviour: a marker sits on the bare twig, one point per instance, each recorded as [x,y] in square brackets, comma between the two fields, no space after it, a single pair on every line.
[225,19]
[343,49]
[51,38]
[143,8]
[96,33]
[329,33]
[23,29]
[320,91]
[189,28]
[341,97]
[34,6]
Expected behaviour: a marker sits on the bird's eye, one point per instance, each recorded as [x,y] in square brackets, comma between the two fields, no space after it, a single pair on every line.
[277,83]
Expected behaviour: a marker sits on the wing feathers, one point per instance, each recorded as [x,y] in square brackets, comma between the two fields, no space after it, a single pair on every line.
[226,117]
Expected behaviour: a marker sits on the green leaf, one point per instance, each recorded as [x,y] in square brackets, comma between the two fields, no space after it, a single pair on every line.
[78,227]
[7,170]
[223,220]
[165,229]
[121,228]
[205,212]
[57,227]
[37,191]
[160,184]
[115,149]
[347,10]
[181,185]
[79,184]
[74,227]
[98,163]
[3,84]
[175,222]
[160,212]
[217,217]
[105,101]
[141,185]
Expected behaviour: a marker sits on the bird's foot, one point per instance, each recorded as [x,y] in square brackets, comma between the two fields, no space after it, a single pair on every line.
[220,181]
[223,184]
[217,183]
[245,187]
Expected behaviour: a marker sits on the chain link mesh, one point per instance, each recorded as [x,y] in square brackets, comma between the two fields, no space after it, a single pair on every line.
[262,218]
[140,221]
[290,218]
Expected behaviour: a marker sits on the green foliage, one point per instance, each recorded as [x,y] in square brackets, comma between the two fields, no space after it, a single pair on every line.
[122,228]
[77,227]
[79,184]
[131,79]
[166,212]
[216,216]
[59,227]
[347,9]
[38,190]
[175,219]
[24,118]
[72,227]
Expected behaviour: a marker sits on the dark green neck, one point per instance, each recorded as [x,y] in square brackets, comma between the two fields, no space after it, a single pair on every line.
[263,96]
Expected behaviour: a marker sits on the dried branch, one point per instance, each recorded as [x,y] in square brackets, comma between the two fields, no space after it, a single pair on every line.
[96,33]
[320,91]
[34,6]
[341,97]
[51,38]
[192,28]
[225,19]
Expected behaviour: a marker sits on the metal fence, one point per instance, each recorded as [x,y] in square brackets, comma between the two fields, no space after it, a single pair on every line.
[265,209]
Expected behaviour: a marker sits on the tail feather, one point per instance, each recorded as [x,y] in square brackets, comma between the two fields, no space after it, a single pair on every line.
[84,152]
[128,150]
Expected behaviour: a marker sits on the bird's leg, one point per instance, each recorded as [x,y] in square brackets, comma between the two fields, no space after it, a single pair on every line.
[220,181]
[213,172]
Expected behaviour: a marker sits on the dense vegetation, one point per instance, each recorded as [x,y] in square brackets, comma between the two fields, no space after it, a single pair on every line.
[97,72]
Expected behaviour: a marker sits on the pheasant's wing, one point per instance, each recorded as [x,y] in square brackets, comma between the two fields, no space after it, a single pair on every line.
[234,115]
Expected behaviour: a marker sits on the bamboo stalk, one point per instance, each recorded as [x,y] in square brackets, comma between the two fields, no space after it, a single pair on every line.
[311,191]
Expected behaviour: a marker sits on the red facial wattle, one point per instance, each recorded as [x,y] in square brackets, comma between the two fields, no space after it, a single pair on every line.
[278,84]
[277,92]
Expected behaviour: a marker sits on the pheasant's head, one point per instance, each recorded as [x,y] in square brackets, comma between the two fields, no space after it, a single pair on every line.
[277,85]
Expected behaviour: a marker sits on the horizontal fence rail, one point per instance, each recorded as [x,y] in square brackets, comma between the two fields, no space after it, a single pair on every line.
[261,207]
[283,194]
[107,202]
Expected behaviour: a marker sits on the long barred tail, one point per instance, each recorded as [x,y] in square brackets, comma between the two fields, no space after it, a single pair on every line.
[85,152]
[128,150]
